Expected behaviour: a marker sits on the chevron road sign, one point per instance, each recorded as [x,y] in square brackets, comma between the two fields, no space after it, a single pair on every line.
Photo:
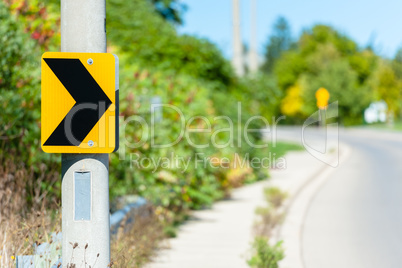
[79,102]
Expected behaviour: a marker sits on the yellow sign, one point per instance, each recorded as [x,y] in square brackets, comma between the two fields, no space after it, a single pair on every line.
[79,112]
[322,96]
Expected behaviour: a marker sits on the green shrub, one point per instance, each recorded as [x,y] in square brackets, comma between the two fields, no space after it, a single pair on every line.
[265,255]
[275,196]
[172,186]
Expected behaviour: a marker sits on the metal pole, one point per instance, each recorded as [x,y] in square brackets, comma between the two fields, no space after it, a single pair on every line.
[253,55]
[85,177]
[237,60]
[322,117]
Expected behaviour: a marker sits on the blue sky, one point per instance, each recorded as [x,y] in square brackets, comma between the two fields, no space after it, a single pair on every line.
[361,20]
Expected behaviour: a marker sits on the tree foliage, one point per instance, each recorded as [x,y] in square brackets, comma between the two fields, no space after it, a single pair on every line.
[171,10]
[145,38]
[279,41]
[387,86]
[323,57]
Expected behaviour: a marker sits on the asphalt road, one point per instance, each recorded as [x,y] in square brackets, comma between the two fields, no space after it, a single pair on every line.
[355,218]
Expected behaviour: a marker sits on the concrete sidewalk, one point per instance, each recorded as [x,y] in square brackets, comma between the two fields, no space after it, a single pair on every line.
[220,237]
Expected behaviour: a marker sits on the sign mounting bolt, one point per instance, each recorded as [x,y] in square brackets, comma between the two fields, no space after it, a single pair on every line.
[90,61]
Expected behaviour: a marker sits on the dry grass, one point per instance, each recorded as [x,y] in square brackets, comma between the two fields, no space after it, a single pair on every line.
[25,219]
[135,243]
[29,214]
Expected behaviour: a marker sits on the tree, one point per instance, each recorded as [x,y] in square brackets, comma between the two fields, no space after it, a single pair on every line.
[147,39]
[397,64]
[341,82]
[292,103]
[387,87]
[323,57]
[279,41]
[171,10]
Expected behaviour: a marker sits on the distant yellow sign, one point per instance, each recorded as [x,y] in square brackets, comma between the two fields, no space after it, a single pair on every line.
[79,102]
[322,96]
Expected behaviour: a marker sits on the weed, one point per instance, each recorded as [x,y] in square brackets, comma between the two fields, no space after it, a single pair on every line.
[274,196]
[265,255]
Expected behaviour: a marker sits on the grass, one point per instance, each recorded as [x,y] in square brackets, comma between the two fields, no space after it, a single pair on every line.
[281,148]
[396,126]
[135,243]
[25,222]
[29,215]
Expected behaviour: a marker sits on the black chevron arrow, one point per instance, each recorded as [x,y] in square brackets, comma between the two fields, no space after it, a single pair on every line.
[91,102]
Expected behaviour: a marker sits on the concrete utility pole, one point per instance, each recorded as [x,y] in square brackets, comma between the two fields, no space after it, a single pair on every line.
[85,184]
[237,61]
[253,54]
